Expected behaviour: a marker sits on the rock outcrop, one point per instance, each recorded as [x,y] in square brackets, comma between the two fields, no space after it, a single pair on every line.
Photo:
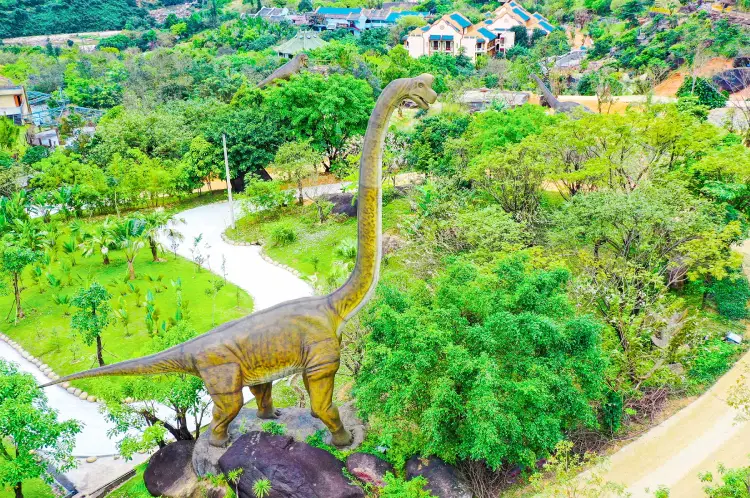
[295,470]
[443,480]
[368,468]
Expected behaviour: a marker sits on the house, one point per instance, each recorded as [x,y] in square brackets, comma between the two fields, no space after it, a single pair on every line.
[358,19]
[454,33]
[302,42]
[13,101]
[273,14]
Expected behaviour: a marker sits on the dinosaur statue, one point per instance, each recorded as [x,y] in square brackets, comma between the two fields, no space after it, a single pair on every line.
[286,71]
[299,336]
[556,105]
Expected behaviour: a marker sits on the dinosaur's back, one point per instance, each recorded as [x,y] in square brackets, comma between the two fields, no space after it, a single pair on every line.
[274,342]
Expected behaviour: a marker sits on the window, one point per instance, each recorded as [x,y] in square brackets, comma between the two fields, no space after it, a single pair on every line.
[17,100]
[435,45]
[480,45]
[448,46]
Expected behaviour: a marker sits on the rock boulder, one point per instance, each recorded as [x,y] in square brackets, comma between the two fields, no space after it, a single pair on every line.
[368,468]
[170,474]
[295,469]
[443,480]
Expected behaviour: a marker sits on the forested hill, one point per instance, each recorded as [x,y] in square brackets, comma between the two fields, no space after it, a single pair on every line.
[46,17]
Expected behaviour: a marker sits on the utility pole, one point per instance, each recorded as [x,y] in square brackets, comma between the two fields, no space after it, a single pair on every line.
[229,180]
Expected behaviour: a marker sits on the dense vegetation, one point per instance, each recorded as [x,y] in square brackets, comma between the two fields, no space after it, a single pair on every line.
[549,281]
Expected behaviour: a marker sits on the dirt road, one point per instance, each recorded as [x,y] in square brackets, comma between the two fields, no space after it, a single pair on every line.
[695,440]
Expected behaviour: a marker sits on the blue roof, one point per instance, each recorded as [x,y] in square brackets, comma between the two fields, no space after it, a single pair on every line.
[441,37]
[521,13]
[338,10]
[547,26]
[487,33]
[425,28]
[461,20]
[488,21]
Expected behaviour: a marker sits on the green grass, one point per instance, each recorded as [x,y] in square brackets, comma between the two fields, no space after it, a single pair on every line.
[46,332]
[33,488]
[314,250]
[133,487]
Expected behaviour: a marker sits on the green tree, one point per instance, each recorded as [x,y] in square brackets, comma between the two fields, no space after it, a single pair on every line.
[92,316]
[182,394]
[13,261]
[102,240]
[708,94]
[491,366]
[329,111]
[131,234]
[297,162]
[29,429]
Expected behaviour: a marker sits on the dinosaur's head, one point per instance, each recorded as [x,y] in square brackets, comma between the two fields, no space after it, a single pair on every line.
[420,90]
[302,59]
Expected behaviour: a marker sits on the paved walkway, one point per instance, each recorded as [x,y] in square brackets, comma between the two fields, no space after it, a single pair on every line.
[696,439]
[266,283]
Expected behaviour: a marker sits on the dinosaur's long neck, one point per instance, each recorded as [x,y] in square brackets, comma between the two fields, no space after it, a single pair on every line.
[350,297]
[551,100]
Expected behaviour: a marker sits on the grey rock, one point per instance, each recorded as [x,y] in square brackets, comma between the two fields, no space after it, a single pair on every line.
[298,423]
[443,480]
[170,474]
[295,470]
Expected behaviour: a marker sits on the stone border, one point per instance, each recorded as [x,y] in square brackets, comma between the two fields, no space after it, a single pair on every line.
[47,370]
[263,254]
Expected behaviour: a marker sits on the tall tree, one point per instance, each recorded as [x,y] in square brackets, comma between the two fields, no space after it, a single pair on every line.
[13,261]
[297,162]
[329,111]
[29,428]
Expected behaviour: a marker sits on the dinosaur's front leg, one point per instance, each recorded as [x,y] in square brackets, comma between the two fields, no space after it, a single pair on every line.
[263,398]
[321,398]
[224,384]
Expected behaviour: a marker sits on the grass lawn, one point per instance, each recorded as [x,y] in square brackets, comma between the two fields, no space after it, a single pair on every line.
[33,488]
[46,331]
[314,251]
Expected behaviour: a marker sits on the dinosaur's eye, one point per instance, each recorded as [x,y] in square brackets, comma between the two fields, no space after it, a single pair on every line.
[421,85]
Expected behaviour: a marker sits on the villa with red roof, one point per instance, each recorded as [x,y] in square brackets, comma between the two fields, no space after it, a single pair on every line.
[454,33]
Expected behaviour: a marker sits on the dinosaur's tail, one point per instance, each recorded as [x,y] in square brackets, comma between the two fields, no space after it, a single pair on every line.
[167,361]
[551,100]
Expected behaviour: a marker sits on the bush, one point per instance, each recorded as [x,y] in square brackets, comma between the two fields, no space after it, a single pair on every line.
[714,357]
[731,296]
[283,234]
[273,427]
[494,367]
[707,94]
[347,249]
[396,487]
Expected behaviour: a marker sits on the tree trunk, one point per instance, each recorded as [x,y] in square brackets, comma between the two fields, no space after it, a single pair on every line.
[106,258]
[99,350]
[300,199]
[154,249]
[18,489]
[17,290]
[131,270]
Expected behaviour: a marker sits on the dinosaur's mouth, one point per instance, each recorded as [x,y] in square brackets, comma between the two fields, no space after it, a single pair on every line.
[422,103]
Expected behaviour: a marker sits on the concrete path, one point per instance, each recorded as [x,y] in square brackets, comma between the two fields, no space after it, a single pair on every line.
[266,283]
[696,439]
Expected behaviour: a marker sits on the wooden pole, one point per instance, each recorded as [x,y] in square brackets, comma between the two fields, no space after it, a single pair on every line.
[229,180]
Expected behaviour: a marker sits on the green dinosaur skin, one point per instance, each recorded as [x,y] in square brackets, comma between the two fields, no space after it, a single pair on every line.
[300,336]
[286,71]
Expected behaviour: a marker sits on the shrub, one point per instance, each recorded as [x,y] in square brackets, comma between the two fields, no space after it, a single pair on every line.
[506,347]
[283,234]
[707,94]
[396,487]
[347,249]
[731,296]
[273,427]
[714,357]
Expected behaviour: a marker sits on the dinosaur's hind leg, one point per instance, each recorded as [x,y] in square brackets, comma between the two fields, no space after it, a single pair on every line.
[262,393]
[320,387]
[224,384]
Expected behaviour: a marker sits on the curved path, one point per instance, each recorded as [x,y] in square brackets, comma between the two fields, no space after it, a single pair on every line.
[694,440]
[266,283]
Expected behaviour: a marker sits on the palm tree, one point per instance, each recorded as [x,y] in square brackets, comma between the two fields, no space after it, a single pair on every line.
[158,222]
[132,238]
[102,240]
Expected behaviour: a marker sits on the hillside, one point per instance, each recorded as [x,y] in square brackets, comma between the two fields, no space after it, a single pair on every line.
[30,17]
